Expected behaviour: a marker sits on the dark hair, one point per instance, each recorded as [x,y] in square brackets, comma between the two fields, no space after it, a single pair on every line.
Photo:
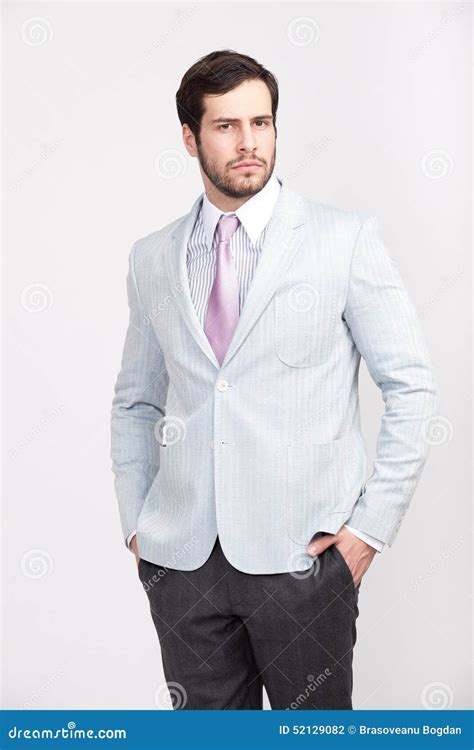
[217,73]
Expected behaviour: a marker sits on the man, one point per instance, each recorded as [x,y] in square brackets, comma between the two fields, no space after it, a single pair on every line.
[240,466]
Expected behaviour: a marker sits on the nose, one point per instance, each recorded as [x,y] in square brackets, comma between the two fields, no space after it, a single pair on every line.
[248,141]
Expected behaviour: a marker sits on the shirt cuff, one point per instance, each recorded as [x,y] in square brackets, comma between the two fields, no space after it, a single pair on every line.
[129,539]
[376,543]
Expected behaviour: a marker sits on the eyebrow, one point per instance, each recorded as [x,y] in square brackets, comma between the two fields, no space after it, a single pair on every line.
[236,119]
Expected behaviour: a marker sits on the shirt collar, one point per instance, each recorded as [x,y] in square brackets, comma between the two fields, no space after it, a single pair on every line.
[254,214]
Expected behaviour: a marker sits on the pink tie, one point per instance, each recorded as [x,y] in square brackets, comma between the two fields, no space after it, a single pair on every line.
[223,306]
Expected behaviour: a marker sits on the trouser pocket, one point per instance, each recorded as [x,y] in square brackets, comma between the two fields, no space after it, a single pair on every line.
[345,569]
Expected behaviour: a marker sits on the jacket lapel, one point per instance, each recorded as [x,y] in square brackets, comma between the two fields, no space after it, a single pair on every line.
[282,241]
[175,256]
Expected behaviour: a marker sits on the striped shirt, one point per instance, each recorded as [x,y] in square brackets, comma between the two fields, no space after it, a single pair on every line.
[246,244]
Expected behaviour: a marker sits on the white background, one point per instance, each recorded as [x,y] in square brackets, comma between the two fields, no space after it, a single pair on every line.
[374,116]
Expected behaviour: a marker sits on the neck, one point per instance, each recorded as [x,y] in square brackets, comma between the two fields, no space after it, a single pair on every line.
[224,202]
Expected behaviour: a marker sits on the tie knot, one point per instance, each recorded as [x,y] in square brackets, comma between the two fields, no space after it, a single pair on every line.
[227,226]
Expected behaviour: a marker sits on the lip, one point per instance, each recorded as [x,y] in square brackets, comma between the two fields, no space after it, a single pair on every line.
[247,167]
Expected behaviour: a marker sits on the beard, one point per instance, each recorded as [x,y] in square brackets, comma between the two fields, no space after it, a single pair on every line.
[234,184]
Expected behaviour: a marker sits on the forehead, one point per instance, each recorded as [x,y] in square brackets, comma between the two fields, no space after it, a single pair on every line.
[248,99]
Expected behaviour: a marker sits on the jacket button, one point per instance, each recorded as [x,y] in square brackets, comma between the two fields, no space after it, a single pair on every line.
[222,385]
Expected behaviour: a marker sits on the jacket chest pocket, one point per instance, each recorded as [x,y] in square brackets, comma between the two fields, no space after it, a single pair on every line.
[305,320]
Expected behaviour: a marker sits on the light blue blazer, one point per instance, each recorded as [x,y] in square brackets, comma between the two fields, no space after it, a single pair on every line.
[267,449]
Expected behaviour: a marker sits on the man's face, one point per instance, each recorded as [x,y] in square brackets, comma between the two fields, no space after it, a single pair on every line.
[236,127]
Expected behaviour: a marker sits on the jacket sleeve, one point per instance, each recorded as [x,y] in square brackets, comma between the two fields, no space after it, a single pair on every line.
[387,332]
[138,404]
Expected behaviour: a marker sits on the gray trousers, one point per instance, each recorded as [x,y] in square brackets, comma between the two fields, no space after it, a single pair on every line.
[224,634]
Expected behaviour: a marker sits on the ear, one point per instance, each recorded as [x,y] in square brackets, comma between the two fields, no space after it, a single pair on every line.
[189,140]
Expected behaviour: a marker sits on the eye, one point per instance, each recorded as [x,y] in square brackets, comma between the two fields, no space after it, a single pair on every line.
[224,125]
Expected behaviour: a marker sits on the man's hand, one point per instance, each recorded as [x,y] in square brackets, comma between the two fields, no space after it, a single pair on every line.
[134,547]
[357,554]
